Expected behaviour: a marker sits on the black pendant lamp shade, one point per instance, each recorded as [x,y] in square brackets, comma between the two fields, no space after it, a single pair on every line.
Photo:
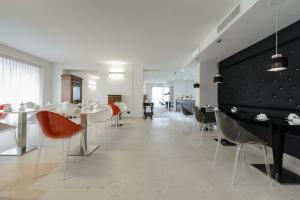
[196,85]
[278,63]
[218,78]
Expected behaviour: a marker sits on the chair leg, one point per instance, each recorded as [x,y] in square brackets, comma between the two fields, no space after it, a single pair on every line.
[265,152]
[38,155]
[195,125]
[236,160]
[217,149]
[244,155]
[63,149]
[66,157]
[202,133]
[105,130]
[83,145]
[15,138]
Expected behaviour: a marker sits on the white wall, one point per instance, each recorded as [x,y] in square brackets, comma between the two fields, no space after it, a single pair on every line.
[208,93]
[130,87]
[148,89]
[197,90]
[183,88]
[44,64]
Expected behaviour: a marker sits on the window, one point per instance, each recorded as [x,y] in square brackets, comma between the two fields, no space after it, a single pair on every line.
[19,81]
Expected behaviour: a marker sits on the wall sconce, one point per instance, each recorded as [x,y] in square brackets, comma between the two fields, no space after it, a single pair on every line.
[116,75]
[92,85]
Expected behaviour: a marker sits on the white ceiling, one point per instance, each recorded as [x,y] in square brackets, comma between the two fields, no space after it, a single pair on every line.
[255,25]
[154,33]
[160,76]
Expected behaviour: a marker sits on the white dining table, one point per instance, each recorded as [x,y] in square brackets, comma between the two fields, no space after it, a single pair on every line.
[22,146]
[83,113]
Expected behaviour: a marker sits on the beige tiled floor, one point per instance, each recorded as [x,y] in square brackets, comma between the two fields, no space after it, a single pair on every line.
[149,160]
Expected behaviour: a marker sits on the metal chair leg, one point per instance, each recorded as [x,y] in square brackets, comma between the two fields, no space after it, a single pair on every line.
[236,160]
[63,149]
[83,145]
[195,125]
[265,152]
[38,155]
[15,138]
[217,149]
[201,135]
[244,155]
[66,157]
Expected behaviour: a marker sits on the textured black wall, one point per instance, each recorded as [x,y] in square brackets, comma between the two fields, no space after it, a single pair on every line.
[250,87]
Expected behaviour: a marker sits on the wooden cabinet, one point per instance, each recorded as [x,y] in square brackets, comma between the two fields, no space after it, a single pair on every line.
[114,98]
[71,88]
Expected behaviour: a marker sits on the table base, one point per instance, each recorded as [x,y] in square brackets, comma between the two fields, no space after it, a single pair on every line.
[78,151]
[17,151]
[287,177]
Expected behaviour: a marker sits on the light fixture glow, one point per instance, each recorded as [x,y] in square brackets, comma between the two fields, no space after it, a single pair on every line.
[94,77]
[116,75]
[92,85]
[115,62]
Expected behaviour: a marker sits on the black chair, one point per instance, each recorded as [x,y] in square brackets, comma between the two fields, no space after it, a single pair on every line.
[206,119]
[195,120]
[148,110]
[185,112]
[238,135]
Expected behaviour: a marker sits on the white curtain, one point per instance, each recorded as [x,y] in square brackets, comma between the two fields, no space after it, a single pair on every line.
[19,82]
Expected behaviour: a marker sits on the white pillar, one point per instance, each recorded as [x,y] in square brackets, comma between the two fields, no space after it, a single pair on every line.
[197,90]
[208,94]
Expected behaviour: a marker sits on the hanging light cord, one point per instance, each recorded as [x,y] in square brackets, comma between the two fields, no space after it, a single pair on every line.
[276,31]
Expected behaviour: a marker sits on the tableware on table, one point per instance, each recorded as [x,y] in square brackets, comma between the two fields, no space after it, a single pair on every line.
[234,109]
[36,107]
[216,108]
[76,110]
[293,116]
[90,107]
[262,117]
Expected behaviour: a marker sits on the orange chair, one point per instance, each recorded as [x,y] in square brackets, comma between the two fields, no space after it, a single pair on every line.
[55,126]
[116,112]
[2,107]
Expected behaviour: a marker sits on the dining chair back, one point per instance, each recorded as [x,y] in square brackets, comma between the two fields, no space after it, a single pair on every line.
[101,117]
[7,127]
[116,112]
[56,126]
[3,107]
[235,133]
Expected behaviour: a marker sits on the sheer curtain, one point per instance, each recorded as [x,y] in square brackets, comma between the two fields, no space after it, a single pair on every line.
[19,81]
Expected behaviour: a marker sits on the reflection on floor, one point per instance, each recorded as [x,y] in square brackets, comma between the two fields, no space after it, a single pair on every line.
[162,112]
[143,160]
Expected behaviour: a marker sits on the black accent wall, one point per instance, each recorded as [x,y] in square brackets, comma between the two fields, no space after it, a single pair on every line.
[248,86]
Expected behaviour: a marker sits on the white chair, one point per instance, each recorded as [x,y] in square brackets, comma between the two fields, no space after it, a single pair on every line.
[31,120]
[104,115]
[50,107]
[7,127]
